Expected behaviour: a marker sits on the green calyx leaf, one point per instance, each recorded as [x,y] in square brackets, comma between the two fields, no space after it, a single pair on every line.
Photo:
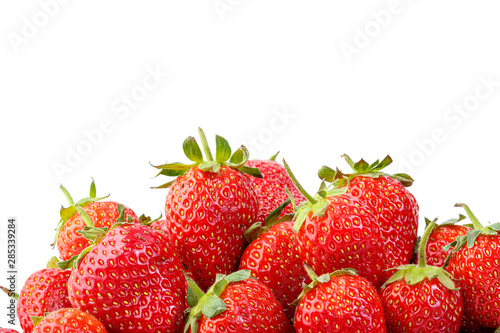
[209,304]
[147,220]
[192,150]
[257,228]
[36,320]
[66,212]
[52,263]
[194,153]
[74,261]
[273,158]
[363,168]
[223,151]
[413,274]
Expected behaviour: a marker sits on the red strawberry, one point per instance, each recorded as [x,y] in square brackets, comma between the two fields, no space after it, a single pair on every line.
[102,214]
[44,291]
[340,301]
[421,298]
[208,208]
[386,196]
[477,267]
[335,231]
[235,303]
[69,320]
[131,280]
[273,259]
[442,235]
[271,188]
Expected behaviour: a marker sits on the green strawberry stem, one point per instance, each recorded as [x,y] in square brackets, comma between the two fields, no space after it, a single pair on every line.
[204,144]
[85,217]
[475,222]
[10,293]
[423,243]
[309,198]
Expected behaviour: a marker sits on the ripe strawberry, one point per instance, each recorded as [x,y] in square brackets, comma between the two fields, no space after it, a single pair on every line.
[273,258]
[131,280]
[340,301]
[335,231]
[477,267]
[44,291]
[386,196]
[422,298]
[102,214]
[69,320]
[442,235]
[208,208]
[235,303]
[271,188]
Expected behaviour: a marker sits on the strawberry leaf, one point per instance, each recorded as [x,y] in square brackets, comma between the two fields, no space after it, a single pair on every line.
[328,174]
[240,156]
[192,149]
[254,172]
[223,150]
[212,306]
[92,189]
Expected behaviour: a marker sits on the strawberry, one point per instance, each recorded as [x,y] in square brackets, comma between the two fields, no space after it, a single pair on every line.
[442,235]
[208,208]
[102,214]
[44,291]
[335,230]
[477,267]
[271,188]
[273,258]
[130,279]
[422,298]
[340,301]
[386,196]
[235,303]
[69,320]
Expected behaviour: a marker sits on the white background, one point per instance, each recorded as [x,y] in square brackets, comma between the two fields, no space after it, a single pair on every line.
[313,79]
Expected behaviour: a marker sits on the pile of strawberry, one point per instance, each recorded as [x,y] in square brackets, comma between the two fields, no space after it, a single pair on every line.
[244,248]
